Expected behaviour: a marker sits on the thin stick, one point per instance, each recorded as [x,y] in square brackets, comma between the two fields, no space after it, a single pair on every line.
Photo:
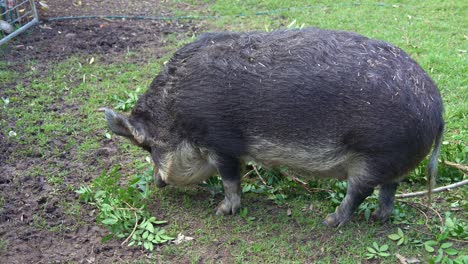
[306,187]
[134,228]
[461,167]
[248,173]
[302,183]
[430,208]
[260,176]
[420,210]
[437,190]
[294,178]
[419,230]
[456,240]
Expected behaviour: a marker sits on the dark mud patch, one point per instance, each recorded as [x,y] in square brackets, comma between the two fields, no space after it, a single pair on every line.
[51,41]
[42,221]
[59,40]
[6,147]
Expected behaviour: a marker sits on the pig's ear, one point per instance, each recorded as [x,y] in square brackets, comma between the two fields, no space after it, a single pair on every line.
[120,125]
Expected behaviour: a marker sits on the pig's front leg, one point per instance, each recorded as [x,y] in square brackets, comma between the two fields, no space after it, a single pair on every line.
[229,169]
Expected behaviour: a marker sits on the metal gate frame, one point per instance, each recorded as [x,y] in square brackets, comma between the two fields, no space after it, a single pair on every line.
[15,12]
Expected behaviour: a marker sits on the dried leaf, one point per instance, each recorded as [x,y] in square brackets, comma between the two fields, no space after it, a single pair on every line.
[181,238]
[7,28]
[289,212]
[404,260]
[43,5]
[44,27]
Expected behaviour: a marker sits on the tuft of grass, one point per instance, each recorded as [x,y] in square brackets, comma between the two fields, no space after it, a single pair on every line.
[3,246]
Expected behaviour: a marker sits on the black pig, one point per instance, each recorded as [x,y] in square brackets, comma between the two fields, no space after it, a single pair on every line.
[330,103]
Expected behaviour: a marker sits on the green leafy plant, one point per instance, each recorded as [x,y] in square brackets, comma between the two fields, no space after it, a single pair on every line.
[368,206]
[129,102]
[339,192]
[439,245]
[444,251]
[269,182]
[86,194]
[254,188]
[400,237]
[377,251]
[400,214]
[244,213]
[122,208]
[214,184]
[147,235]
[455,228]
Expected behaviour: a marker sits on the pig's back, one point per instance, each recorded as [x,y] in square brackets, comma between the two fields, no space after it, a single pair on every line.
[304,87]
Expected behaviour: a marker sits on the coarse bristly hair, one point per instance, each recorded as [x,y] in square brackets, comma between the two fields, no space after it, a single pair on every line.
[330,102]
[311,87]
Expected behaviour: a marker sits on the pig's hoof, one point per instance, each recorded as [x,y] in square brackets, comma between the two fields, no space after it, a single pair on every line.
[228,207]
[334,220]
[381,215]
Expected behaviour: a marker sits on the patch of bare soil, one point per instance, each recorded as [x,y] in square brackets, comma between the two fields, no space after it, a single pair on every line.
[113,7]
[109,38]
[6,148]
[37,224]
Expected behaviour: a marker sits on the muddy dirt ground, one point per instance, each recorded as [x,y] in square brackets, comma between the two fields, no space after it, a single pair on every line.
[25,196]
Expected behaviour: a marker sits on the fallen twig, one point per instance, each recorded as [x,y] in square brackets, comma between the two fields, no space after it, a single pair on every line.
[247,174]
[421,211]
[461,167]
[306,187]
[419,230]
[136,224]
[436,190]
[428,207]
[404,260]
[457,240]
[259,175]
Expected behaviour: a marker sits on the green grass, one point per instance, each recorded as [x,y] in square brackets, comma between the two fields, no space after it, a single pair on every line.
[3,245]
[432,32]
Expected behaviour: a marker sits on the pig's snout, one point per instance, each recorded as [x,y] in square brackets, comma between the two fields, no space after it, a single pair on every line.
[159,182]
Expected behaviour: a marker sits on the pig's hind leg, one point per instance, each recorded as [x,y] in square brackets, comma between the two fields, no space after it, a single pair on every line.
[356,192]
[229,169]
[386,202]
